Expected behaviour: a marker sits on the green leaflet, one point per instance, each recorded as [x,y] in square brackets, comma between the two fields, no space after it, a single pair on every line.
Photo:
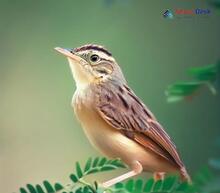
[48,186]
[95,162]
[204,73]
[88,164]
[148,185]
[183,88]
[158,186]
[205,76]
[79,170]
[170,183]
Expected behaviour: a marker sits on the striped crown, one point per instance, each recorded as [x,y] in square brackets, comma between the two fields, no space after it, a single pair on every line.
[92,47]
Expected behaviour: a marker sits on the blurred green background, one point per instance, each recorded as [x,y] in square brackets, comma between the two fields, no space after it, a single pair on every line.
[39,136]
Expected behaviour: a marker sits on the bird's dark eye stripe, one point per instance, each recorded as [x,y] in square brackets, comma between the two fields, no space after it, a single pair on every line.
[104,59]
[102,71]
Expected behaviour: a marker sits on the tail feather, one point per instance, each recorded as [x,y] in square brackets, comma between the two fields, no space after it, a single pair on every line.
[185,176]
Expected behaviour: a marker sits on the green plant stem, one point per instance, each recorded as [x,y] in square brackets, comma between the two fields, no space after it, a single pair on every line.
[81,181]
[211,88]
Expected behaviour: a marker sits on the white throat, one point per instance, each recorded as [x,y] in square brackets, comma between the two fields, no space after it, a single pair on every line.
[79,75]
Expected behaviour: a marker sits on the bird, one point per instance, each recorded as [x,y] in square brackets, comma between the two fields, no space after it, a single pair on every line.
[116,122]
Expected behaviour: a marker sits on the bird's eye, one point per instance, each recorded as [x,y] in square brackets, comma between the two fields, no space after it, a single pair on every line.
[94,58]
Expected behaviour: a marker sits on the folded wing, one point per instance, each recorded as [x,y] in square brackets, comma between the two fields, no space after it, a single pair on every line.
[124,111]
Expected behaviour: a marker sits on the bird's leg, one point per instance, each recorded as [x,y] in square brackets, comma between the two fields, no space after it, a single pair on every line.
[136,169]
[159,175]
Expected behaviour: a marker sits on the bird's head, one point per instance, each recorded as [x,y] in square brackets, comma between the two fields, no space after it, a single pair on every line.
[92,64]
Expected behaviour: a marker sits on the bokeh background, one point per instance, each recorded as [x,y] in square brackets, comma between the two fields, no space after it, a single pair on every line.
[39,136]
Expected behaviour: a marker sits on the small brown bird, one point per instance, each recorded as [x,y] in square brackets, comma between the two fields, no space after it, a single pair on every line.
[115,120]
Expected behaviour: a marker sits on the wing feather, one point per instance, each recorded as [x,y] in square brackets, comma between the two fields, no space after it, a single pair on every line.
[122,109]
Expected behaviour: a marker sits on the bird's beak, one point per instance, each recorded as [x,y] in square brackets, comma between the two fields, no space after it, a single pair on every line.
[68,54]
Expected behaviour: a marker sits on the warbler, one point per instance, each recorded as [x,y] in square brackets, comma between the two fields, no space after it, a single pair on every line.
[115,120]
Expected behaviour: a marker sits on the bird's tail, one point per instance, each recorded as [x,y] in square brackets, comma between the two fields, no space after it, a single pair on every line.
[185,176]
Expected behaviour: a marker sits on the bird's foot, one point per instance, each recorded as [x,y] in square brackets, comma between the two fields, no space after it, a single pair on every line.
[159,176]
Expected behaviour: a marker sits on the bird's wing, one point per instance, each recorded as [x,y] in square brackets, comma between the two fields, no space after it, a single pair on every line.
[122,109]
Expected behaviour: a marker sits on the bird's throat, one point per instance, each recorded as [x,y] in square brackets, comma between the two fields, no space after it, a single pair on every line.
[79,75]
